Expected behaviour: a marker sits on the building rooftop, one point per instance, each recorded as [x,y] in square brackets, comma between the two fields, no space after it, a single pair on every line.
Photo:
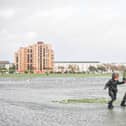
[76,62]
[4,62]
[40,42]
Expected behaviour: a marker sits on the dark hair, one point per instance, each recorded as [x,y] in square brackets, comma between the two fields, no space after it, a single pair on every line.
[114,75]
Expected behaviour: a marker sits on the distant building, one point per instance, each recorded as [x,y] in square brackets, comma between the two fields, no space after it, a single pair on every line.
[74,66]
[4,64]
[37,58]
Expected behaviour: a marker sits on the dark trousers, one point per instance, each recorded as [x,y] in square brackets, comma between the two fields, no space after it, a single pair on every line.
[113,95]
[123,100]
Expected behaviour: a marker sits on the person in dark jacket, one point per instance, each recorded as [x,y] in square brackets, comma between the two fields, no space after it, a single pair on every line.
[112,88]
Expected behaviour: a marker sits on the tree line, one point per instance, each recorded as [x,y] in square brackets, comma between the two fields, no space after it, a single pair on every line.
[92,69]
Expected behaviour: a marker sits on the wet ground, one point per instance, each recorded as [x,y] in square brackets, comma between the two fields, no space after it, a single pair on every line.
[29,103]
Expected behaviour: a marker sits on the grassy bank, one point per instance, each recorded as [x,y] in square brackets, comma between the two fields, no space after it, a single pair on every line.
[53,75]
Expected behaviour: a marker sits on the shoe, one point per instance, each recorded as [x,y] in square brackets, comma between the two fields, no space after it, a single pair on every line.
[110,106]
[123,104]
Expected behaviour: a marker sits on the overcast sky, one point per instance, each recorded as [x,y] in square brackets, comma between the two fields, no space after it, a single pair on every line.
[77,29]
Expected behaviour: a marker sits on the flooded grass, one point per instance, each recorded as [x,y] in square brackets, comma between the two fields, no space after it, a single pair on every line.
[84,100]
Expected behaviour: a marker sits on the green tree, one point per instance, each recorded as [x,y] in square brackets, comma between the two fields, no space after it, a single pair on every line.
[92,69]
[3,70]
[101,68]
[12,69]
[73,68]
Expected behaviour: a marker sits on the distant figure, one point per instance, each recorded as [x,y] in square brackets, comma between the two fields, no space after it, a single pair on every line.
[112,88]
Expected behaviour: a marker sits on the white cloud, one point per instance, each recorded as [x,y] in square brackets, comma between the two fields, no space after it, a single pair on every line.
[7,13]
[31,35]
[59,13]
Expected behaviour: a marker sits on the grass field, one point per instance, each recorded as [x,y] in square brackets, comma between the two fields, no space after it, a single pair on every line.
[52,75]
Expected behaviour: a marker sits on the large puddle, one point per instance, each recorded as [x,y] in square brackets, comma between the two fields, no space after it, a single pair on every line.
[29,102]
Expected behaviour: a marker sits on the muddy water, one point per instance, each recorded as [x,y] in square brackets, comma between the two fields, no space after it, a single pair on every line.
[29,103]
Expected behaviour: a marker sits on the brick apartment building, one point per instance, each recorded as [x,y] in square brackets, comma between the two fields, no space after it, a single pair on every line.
[37,58]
